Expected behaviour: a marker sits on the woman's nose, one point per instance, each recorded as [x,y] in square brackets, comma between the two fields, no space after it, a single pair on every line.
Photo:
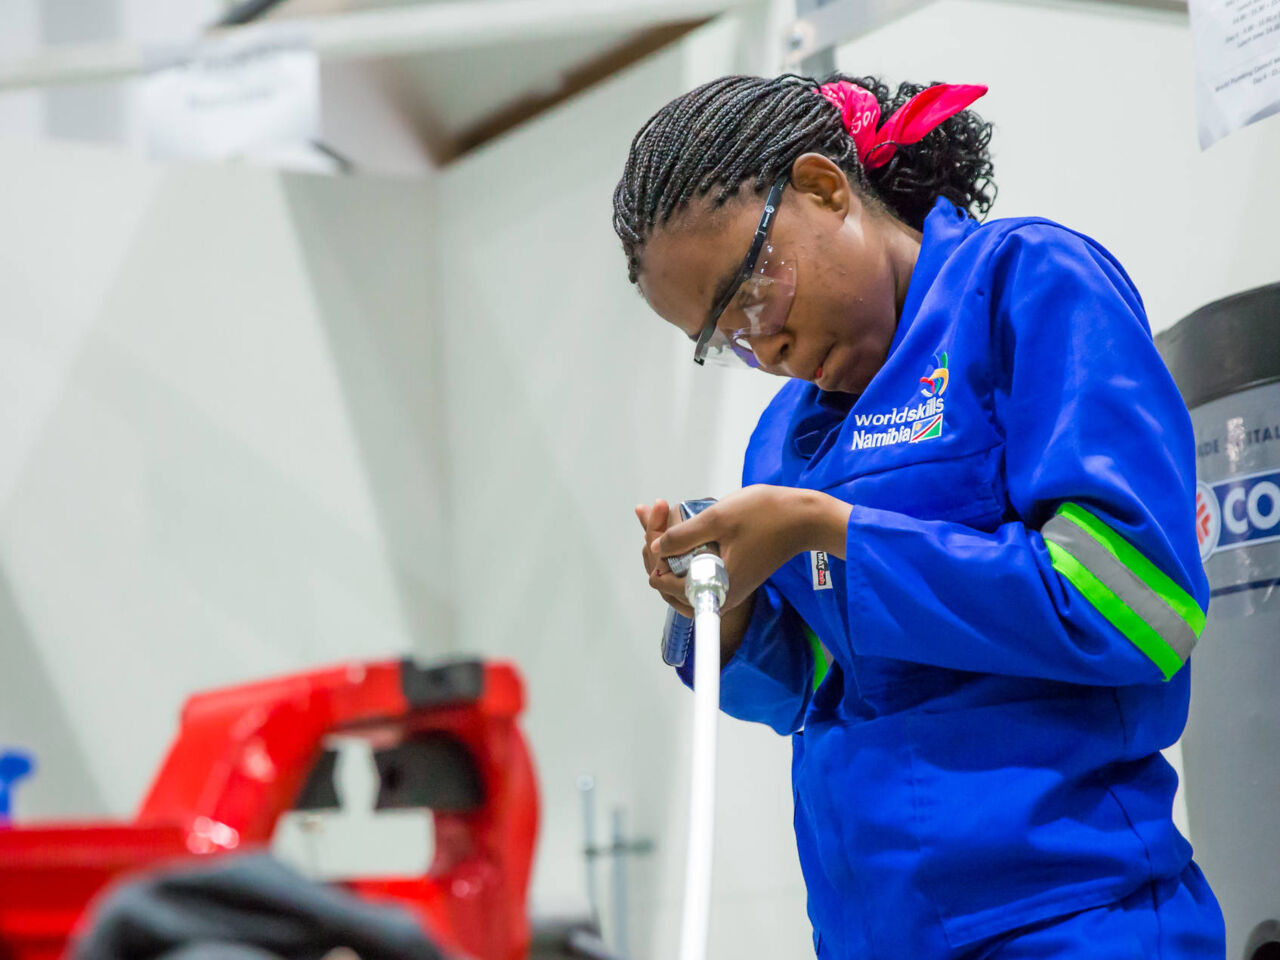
[771,349]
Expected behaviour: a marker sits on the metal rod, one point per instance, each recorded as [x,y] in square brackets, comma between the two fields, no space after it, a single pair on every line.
[587,787]
[383,32]
[620,944]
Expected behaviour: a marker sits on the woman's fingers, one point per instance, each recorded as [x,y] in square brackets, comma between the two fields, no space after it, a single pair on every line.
[686,535]
[655,519]
[671,588]
[659,516]
[644,513]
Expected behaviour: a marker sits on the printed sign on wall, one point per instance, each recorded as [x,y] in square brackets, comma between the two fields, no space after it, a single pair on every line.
[1237,54]
[253,96]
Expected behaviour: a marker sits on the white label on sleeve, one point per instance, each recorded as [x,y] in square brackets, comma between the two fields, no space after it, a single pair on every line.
[820,569]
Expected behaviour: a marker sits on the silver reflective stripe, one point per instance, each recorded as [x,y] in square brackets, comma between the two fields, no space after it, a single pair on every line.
[1121,581]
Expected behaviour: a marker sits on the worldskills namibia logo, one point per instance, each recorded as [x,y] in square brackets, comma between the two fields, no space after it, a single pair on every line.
[909,424]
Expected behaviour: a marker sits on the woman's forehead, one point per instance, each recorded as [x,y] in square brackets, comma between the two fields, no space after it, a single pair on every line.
[685,260]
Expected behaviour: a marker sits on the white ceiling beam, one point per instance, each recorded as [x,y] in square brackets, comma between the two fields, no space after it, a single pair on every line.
[388,32]
[841,21]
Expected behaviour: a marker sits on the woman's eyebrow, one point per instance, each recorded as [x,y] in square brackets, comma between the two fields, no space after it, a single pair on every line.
[724,286]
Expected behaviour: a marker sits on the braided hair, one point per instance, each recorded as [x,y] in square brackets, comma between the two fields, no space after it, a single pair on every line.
[740,129]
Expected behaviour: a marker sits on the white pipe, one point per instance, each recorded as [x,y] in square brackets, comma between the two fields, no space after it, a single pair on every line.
[702,793]
[387,32]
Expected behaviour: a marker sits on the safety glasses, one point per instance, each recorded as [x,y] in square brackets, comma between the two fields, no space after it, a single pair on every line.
[756,303]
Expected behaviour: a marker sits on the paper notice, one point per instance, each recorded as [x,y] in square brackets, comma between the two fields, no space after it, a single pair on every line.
[254,97]
[1237,52]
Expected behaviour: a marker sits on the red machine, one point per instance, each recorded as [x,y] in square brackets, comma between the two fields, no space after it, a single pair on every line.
[444,738]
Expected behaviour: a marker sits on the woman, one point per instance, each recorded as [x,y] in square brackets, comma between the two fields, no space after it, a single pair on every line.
[974,493]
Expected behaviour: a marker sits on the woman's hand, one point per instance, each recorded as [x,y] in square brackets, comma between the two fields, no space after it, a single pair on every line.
[655,520]
[759,528]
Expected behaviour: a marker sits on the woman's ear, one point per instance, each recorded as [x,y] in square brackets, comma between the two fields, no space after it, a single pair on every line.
[820,179]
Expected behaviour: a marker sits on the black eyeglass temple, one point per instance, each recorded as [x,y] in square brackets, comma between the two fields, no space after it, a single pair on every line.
[748,265]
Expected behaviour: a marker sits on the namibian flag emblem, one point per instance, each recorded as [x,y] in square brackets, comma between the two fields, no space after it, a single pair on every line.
[926,429]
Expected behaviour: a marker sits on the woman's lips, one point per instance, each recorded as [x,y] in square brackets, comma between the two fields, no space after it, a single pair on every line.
[817,374]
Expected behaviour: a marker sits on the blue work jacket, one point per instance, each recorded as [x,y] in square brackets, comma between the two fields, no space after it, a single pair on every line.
[1008,632]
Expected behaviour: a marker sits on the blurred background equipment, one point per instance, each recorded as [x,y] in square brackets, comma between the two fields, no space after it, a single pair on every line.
[14,766]
[1226,359]
[445,739]
[617,853]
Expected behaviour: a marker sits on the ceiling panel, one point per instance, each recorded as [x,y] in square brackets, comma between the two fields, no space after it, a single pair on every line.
[459,99]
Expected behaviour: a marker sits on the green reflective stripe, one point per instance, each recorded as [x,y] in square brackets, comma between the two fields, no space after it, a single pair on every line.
[1087,551]
[1181,602]
[1119,613]
[820,666]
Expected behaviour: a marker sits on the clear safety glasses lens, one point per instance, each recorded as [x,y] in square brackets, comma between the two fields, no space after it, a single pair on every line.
[723,352]
[758,309]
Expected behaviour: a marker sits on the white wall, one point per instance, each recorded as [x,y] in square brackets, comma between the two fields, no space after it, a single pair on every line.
[219,454]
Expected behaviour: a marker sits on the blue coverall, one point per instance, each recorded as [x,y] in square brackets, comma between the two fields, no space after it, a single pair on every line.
[977,774]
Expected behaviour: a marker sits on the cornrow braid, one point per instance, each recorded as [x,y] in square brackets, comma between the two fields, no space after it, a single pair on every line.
[739,129]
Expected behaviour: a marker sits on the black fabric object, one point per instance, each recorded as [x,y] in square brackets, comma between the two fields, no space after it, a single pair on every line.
[218,950]
[245,907]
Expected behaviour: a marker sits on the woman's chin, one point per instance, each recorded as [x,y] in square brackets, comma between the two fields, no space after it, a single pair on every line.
[841,374]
